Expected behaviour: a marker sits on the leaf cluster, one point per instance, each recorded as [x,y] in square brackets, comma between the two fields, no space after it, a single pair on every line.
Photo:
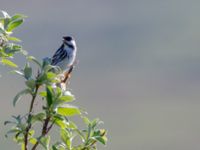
[8,46]
[56,109]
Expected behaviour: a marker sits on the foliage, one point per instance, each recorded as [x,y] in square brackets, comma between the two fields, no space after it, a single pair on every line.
[7,48]
[57,108]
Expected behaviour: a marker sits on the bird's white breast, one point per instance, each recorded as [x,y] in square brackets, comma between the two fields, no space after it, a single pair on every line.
[68,61]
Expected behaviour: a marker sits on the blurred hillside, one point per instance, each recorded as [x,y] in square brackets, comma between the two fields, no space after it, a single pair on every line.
[138,66]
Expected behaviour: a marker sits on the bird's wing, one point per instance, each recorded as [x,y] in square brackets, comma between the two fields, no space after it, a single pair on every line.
[59,55]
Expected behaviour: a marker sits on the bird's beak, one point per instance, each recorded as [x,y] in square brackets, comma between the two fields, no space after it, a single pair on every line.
[64,41]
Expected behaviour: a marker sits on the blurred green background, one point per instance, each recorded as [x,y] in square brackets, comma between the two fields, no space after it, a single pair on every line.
[138,70]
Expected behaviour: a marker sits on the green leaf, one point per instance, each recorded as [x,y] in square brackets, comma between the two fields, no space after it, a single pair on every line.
[18,72]
[5,21]
[81,135]
[19,95]
[49,95]
[23,52]
[17,47]
[43,94]
[62,99]
[31,132]
[102,140]
[18,16]
[17,118]
[12,131]
[46,62]
[8,63]
[38,117]
[72,125]
[100,135]
[51,75]
[9,122]
[59,146]
[45,142]
[5,14]
[100,132]
[41,78]
[58,92]
[89,132]
[95,122]
[12,48]
[14,24]
[54,147]
[2,29]
[86,120]
[68,110]
[61,123]
[22,146]
[11,38]
[8,33]
[27,71]
[31,58]
[32,141]
[48,68]
[31,84]
[67,97]
[66,138]
[3,54]
[19,139]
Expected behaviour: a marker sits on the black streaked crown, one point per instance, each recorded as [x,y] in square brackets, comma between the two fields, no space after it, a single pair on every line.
[67,38]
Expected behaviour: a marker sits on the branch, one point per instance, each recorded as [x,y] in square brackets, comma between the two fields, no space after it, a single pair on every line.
[67,74]
[45,130]
[29,117]
[49,128]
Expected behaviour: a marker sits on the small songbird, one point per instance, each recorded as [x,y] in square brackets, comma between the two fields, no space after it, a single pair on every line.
[65,56]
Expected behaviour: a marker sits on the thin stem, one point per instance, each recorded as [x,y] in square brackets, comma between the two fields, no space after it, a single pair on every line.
[33,99]
[67,74]
[49,128]
[29,117]
[45,130]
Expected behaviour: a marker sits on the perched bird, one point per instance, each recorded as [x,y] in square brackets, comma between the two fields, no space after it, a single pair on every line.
[65,56]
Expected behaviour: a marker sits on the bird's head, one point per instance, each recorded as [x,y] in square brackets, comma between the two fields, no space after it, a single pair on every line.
[68,40]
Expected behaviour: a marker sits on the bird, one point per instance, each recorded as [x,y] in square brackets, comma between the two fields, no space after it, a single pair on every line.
[65,56]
